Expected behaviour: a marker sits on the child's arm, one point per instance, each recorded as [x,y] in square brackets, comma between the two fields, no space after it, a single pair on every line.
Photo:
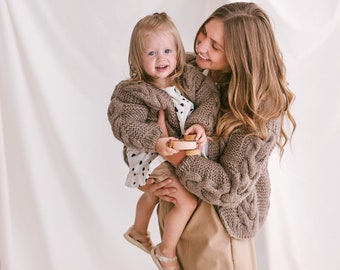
[163,148]
[201,137]
[202,91]
[162,145]
[129,117]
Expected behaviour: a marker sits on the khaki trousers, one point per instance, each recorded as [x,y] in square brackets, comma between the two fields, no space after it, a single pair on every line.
[205,244]
[163,171]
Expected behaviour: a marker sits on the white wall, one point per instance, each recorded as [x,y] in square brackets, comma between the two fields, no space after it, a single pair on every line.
[63,203]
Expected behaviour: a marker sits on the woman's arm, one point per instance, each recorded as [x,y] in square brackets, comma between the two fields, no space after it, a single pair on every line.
[231,179]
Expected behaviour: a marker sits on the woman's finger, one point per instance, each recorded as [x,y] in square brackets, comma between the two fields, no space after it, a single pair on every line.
[168,199]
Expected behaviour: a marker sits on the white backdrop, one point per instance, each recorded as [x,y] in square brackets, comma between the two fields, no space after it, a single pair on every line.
[63,203]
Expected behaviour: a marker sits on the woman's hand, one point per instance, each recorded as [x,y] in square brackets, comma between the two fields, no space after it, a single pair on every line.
[163,189]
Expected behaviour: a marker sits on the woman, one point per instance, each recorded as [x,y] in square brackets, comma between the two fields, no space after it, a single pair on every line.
[237,46]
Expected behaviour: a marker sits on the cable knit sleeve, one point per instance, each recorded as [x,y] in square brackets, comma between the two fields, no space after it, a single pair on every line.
[204,178]
[204,94]
[228,182]
[130,117]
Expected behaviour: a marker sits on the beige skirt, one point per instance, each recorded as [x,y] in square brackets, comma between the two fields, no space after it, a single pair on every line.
[206,245]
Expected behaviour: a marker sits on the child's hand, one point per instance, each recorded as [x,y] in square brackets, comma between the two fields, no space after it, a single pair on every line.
[201,137]
[162,147]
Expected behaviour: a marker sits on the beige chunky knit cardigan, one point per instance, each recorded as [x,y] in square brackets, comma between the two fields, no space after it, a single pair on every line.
[235,179]
[134,108]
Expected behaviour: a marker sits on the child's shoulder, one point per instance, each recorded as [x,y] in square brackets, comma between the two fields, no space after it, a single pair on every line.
[136,89]
[194,75]
[127,82]
[190,58]
[190,70]
[130,84]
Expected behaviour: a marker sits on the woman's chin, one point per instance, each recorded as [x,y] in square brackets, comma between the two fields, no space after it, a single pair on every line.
[204,64]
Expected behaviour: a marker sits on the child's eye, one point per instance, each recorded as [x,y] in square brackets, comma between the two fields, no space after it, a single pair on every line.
[167,51]
[152,53]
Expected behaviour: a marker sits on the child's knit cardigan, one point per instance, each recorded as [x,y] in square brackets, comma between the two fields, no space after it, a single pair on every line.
[134,108]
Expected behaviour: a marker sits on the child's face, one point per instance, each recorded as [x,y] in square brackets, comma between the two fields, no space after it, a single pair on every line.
[159,58]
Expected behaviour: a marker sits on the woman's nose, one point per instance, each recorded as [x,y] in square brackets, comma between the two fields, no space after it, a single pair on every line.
[202,47]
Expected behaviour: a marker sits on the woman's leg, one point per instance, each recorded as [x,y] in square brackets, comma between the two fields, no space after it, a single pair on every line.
[243,253]
[205,244]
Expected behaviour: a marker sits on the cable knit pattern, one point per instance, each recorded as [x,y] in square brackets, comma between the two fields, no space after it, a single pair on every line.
[235,179]
[134,107]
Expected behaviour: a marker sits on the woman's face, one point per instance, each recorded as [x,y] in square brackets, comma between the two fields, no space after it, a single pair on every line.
[210,47]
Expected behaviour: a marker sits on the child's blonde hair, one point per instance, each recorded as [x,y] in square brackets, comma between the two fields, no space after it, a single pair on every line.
[156,23]
[257,90]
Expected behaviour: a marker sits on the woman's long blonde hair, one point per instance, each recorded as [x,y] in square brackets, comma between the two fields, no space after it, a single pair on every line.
[256,91]
[155,23]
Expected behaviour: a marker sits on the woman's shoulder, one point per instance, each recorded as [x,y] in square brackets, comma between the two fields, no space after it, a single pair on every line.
[242,138]
[272,126]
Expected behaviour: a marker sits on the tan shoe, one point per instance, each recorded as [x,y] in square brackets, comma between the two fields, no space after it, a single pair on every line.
[142,241]
[164,263]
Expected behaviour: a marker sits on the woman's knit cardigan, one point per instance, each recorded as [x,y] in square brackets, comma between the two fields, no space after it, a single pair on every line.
[235,179]
[134,108]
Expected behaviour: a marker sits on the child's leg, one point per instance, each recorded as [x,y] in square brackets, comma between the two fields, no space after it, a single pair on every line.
[147,202]
[177,219]
[144,209]
[137,234]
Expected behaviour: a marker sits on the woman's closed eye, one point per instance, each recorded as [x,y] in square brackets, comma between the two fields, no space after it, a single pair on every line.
[214,46]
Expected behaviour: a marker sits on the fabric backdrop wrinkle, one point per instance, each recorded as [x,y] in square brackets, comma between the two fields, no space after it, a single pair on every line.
[63,203]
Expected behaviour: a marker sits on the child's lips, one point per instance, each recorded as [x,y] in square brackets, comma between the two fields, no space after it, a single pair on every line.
[162,67]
